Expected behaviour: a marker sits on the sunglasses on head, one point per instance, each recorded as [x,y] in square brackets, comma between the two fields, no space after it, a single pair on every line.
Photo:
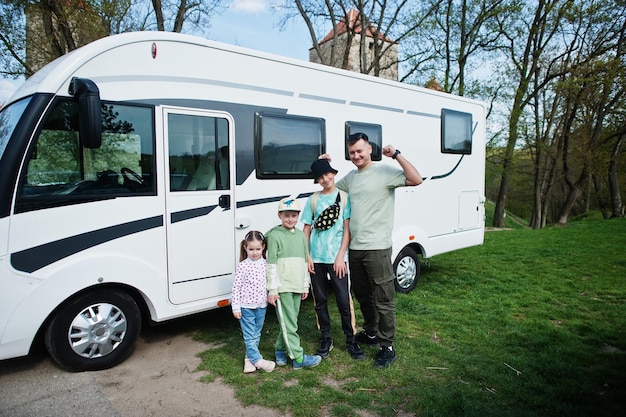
[356,137]
[251,235]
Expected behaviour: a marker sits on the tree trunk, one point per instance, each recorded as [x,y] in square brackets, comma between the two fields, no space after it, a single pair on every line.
[535,218]
[602,205]
[566,209]
[180,16]
[500,209]
[158,14]
[616,198]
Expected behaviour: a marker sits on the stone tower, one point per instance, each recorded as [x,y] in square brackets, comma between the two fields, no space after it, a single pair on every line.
[351,25]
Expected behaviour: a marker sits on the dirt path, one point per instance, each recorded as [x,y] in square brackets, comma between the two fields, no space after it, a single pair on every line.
[159,379]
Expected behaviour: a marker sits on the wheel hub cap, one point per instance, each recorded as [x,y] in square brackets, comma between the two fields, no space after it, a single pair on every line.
[406,272]
[97,330]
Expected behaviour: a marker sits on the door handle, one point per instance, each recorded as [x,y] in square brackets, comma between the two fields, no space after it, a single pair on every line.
[224,201]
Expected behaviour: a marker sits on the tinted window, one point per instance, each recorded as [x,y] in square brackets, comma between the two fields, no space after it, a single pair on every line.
[374,136]
[286,145]
[198,152]
[456,132]
[8,120]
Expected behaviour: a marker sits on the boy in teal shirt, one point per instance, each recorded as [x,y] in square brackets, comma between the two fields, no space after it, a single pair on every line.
[288,283]
[326,218]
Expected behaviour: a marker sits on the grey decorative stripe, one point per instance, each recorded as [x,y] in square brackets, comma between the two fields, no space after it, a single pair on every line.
[320,98]
[421,114]
[190,80]
[375,106]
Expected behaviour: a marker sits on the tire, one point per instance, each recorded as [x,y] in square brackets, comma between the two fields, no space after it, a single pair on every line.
[94,331]
[407,270]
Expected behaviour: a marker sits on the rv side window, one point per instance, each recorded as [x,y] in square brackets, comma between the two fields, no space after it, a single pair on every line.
[59,171]
[456,132]
[374,136]
[286,146]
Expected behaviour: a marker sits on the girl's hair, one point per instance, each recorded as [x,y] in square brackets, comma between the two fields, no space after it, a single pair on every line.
[251,236]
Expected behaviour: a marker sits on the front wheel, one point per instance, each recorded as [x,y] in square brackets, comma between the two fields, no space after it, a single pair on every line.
[407,270]
[94,331]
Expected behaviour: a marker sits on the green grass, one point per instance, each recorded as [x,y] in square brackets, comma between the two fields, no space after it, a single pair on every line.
[511,221]
[532,323]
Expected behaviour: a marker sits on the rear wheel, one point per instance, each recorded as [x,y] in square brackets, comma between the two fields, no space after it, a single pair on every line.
[94,331]
[407,270]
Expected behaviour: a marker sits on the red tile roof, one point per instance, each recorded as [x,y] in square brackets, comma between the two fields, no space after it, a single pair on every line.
[354,23]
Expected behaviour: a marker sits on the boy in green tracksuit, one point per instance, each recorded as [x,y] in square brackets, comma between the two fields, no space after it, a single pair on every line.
[288,283]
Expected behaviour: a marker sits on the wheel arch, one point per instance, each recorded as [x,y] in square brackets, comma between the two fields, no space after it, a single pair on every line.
[409,236]
[418,248]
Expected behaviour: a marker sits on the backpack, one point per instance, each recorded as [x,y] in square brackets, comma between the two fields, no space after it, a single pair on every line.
[330,215]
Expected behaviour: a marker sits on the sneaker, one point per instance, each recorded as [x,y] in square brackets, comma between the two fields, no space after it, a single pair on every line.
[281,358]
[355,351]
[366,339]
[386,356]
[307,362]
[267,366]
[248,367]
[326,345]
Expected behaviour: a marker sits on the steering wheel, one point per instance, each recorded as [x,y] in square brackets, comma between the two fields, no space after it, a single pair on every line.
[131,175]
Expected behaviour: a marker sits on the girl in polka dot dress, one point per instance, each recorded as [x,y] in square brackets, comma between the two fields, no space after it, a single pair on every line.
[249,299]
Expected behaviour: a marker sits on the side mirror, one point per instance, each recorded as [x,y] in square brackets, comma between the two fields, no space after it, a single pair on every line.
[87,94]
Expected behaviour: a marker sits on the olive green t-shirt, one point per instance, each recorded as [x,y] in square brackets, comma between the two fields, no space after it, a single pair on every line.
[372,198]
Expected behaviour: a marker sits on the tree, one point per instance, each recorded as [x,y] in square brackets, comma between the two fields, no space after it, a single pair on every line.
[526,55]
[593,97]
[174,14]
[386,22]
[544,149]
[585,97]
[12,39]
[451,34]
[35,32]
[56,27]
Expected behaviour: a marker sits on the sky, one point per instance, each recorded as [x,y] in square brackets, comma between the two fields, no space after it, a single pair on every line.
[247,23]
[253,24]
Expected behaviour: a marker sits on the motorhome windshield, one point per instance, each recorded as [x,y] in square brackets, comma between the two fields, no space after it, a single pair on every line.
[9,116]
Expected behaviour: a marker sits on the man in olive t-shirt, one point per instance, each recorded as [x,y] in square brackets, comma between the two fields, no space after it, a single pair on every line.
[371,188]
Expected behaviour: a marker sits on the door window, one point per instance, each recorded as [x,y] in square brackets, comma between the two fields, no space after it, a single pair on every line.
[198,153]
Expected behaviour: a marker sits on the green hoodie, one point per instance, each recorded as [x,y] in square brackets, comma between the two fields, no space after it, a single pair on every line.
[287,268]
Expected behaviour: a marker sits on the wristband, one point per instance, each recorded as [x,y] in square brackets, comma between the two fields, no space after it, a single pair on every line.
[395,154]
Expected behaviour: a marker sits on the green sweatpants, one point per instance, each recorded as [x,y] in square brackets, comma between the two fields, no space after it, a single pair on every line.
[287,310]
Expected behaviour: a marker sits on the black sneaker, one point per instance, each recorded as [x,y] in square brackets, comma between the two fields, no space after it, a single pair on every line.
[366,339]
[386,356]
[326,345]
[355,351]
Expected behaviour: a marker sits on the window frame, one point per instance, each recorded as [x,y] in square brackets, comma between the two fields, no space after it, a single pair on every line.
[196,159]
[26,202]
[259,155]
[446,146]
[376,139]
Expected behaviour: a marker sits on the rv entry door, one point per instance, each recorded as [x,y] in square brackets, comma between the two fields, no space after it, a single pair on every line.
[199,204]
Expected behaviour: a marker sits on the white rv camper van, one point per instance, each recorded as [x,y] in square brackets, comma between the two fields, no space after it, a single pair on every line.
[131,168]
